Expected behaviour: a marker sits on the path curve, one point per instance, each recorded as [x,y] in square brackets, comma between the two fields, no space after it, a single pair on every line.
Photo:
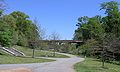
[60,65]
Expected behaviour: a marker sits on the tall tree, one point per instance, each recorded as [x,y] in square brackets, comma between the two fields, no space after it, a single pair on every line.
[10,20]
[112,20]
[27,30]
[5,33]
[88,28]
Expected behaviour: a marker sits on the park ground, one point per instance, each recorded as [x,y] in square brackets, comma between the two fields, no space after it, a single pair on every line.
[95,65]
[61,61]
[59,65]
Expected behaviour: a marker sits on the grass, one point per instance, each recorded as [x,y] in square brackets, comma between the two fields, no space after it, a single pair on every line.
[7,59]
[93,65]
[39,53]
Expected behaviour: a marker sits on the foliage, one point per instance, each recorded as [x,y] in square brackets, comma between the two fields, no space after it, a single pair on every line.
[88,48]
[5,33]
[104,31]
[88,28]
[25,28]
[68,48]
[17,29]
[111,23]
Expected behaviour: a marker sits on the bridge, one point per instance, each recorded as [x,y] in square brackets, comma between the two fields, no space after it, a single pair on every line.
[59,42]
[56,42]
[69,41]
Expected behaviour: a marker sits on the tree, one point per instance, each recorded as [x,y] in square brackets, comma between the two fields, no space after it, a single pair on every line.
[88,28]
[26,28]
[111,25]
[82,32]
[21,20]
[54,36]
[104,30]
[5,34]
[41,31]
[111,22]
[10,20]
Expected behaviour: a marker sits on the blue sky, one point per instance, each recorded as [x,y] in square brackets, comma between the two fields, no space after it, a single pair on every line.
[57,15]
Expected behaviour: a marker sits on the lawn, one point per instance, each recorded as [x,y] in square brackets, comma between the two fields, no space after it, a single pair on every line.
[94,65]
[7,59]
[39,53]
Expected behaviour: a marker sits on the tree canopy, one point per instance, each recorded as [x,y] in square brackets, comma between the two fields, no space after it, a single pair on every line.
[17,29]
[104,31]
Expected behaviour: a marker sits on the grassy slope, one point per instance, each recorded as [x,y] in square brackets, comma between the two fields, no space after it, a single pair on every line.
[39,53]
[7,59]
[92,65]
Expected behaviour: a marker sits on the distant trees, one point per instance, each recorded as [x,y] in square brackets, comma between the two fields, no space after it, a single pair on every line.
[103,32]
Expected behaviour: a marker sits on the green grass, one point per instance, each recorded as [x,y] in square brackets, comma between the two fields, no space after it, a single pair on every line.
[93,65]
[20,60]
[7,59]
[39,53]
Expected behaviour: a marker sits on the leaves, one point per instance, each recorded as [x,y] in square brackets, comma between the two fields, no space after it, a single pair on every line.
[103,30]
[16,28]
[89,28]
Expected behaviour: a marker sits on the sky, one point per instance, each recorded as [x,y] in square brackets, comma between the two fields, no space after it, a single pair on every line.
[57,15]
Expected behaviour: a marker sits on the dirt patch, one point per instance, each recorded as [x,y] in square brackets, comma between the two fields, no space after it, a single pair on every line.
[17,70]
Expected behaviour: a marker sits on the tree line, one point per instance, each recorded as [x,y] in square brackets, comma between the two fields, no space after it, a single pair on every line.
[100,34]
[16,28]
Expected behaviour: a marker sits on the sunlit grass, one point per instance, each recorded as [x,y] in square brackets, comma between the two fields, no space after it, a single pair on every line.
[93,65]
[19,60]
[7,59]
[39,53]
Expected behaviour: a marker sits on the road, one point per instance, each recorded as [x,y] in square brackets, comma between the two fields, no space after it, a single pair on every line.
[60,65]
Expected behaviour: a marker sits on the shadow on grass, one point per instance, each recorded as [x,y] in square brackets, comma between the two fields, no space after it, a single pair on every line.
[107,61]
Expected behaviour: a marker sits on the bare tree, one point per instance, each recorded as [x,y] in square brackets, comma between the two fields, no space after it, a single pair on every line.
[54,36]
[35,43]
[42,31]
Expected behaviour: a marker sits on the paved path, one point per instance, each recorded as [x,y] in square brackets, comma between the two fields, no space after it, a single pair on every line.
[60,65]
